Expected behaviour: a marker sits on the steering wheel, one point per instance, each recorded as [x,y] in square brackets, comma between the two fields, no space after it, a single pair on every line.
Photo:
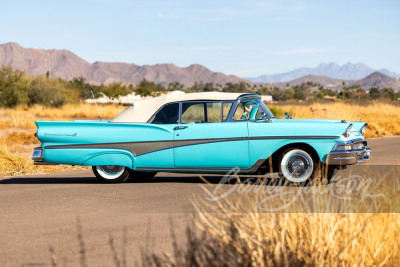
[245,116]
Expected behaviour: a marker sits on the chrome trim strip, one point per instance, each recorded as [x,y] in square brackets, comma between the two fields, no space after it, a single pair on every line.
[141,148]
[347,151]
[253,168]
[43,163]
[294,137]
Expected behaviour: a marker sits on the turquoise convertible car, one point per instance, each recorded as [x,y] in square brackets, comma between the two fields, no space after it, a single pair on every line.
[202,133]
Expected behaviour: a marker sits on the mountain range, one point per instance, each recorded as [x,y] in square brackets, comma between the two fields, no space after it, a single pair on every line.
[375,79]
[332,70]
[65,64]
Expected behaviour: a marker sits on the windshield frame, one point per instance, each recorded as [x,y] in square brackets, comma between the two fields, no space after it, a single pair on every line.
[263,107]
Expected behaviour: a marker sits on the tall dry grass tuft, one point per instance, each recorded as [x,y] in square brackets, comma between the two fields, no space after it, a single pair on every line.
[318,234]
[15,160]
[14,163]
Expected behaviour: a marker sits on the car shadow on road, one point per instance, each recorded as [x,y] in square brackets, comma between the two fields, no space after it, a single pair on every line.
[191,179]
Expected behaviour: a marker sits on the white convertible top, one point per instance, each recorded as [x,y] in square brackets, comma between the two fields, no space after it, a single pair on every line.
[142,110]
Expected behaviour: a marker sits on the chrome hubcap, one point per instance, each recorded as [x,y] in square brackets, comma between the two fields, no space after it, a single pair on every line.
[111,169]
[297,165]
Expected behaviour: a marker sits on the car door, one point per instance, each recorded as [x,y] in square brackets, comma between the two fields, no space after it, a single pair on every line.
[157,139]
[204,140]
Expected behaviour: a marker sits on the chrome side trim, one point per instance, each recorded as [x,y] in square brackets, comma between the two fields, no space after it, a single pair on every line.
[253,168]
[43,163]
[141,148]
[294,137]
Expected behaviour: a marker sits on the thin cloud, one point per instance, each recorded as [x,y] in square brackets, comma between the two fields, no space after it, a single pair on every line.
[300,51]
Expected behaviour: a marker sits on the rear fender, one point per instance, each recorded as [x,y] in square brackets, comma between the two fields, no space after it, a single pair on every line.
[110,159]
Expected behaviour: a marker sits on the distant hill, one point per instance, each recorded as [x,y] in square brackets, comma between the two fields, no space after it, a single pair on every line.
[332,70]
[67,65]
[378,79]
[323,80]
[375,79]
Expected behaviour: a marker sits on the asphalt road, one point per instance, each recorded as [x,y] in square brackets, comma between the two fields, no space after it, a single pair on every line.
[40,211]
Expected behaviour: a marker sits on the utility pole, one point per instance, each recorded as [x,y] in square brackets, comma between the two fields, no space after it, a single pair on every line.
[49,64]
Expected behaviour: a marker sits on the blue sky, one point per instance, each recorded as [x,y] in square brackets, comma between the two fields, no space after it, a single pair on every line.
[245,38]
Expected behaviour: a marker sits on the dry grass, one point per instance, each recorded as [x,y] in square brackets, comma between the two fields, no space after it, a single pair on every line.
[67,111]
[323,236]
[383,119]
[16,160]
[22,138]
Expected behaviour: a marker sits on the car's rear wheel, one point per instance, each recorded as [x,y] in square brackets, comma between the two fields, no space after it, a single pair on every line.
[111,173]
[141,176]
[297,165]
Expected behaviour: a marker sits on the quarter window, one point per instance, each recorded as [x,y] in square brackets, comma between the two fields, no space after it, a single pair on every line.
[168,114]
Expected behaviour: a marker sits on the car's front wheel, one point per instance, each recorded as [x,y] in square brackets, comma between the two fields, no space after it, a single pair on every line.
[111,173]
[297,165]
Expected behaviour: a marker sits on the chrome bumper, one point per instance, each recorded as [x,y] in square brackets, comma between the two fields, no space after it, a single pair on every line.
[37,157]
[37,154]
[348,157]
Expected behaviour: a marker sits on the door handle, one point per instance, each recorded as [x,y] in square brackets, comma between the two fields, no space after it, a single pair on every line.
[180,128]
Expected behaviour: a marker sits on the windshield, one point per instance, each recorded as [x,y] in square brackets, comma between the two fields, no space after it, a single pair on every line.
[251,109]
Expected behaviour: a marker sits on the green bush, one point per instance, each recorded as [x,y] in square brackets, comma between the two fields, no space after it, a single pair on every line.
[13,87]
[47,93]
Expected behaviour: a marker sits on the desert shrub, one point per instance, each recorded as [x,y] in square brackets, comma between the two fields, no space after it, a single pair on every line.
[13,87]
[47,93]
